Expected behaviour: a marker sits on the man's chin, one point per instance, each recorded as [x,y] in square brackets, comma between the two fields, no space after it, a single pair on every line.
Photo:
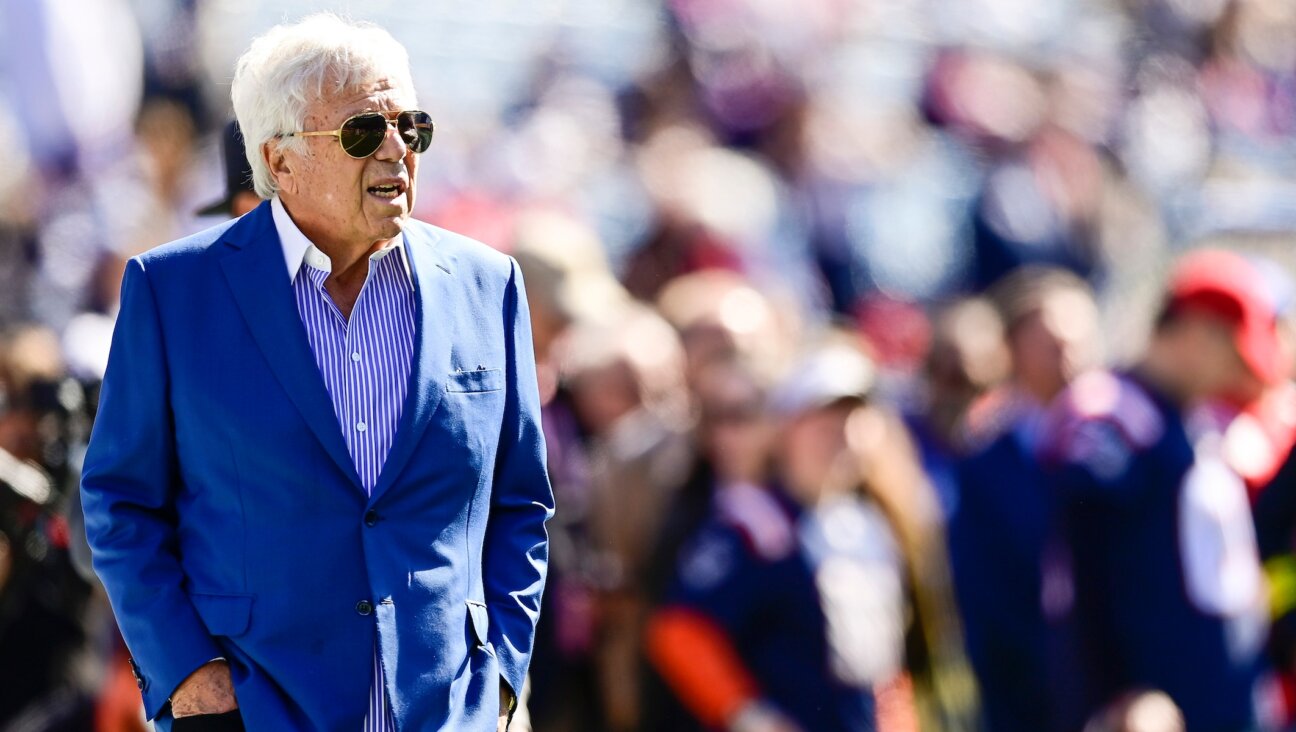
[389,227]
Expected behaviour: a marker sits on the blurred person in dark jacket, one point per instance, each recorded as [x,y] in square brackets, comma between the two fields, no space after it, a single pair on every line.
[733,437]
[1156,580]
[745,638]
[792,605]
[42,597]
[240,195]
[967,358]
[998,534]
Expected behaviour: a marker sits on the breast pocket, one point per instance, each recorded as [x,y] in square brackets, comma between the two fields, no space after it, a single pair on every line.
[475,381]
[470,416]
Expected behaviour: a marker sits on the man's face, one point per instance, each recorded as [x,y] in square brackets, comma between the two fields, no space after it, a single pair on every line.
[1054,344]
[1208,360]
[338,199]
[812,448]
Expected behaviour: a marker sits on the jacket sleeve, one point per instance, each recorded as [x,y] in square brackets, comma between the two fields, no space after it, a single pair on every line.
[128,492]
[515,557]
[692,640]
[698,659]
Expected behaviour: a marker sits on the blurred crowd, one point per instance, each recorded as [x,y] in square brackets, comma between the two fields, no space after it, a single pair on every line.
[907,365]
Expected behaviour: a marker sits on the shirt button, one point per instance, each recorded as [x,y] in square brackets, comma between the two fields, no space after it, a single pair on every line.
[360,427]
[364,607]
[355,356]
[371,518]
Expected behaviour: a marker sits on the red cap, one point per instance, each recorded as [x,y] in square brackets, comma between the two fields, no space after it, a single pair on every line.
[1228,285]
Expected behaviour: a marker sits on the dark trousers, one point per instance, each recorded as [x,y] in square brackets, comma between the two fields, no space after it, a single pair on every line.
[227,722]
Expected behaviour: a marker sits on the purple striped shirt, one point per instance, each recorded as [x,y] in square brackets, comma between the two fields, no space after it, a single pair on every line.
[365,362]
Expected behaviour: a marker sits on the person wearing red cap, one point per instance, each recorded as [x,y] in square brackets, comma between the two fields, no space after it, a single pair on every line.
[1235,295]
[1153,581]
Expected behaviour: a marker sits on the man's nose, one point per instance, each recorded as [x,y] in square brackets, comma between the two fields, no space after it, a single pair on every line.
[394,146]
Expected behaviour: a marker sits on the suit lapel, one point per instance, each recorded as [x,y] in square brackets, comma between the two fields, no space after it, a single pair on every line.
[431,361]
[257,276]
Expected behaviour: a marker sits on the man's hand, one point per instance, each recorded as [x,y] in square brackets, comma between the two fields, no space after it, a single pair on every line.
[760,717]
[1148,711]
[208,690]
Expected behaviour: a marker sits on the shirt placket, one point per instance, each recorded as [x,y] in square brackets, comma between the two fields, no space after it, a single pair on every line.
[349,379]
[358,372]
[356,406]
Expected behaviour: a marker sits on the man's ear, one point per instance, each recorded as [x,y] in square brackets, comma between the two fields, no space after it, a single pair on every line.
[280,169]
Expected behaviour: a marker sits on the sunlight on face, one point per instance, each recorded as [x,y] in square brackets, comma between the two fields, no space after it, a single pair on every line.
[336,199]
[812,446]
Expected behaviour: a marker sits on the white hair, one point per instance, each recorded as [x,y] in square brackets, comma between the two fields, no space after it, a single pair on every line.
[293,64]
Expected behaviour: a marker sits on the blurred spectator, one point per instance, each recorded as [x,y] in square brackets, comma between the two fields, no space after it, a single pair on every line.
[1275,520]
[943,688]
[966,359]
[1260,433]
[721,316]
[834,648]
[240,196]
[1259,445]
[1157,578]
[45,417]
[31,366]
[42,598]
[568,282]
[733,436]
[626,377]
[743,658]
[41,603]
[999,532]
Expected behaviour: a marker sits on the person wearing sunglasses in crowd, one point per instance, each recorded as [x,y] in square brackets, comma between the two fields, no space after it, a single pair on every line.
[316,491]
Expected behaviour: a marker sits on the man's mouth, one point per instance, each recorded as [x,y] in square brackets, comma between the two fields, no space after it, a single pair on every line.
[388,190]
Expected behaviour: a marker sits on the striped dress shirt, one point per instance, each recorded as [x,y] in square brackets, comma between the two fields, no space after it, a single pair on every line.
[365,362]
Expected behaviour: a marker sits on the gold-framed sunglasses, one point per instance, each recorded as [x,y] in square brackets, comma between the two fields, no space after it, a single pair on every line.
[361,135]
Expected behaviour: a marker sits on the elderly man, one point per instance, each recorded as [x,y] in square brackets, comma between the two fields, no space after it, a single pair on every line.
[316,491]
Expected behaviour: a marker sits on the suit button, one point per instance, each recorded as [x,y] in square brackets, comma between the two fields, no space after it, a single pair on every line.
[364,607]
[371,518]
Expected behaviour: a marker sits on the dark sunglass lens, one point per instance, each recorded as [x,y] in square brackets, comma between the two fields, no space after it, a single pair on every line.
[416,129]
[363,134]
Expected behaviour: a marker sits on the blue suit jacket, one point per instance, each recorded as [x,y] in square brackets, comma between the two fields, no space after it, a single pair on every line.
[226,517]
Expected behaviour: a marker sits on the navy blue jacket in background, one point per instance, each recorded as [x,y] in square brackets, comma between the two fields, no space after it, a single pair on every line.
[761,591]
[1120,459]
[997,538]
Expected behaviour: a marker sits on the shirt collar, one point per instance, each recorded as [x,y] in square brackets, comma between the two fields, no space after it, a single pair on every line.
[297,249]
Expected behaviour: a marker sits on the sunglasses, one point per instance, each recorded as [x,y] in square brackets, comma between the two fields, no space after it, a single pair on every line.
[361,135]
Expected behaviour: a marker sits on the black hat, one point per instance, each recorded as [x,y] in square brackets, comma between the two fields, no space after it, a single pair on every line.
[238,171]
